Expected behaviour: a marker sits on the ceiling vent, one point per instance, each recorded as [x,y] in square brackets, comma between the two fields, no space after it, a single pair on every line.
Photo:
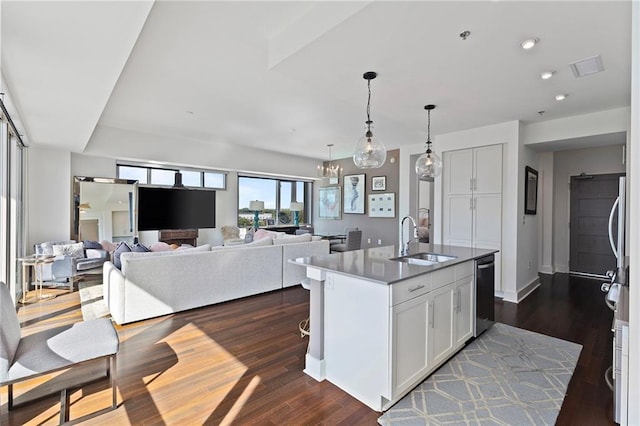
[587,66]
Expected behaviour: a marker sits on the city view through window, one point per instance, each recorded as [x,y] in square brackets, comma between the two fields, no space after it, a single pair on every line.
[277,195]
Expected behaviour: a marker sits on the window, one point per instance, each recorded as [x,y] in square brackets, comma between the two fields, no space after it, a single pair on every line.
[12,194]
[134,173]
[165,176]
[277,195]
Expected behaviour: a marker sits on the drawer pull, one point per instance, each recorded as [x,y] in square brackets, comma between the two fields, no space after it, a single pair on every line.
[411,290]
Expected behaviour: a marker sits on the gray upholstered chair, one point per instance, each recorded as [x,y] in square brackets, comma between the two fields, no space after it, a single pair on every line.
[47,351]
[69,266]
[353,242]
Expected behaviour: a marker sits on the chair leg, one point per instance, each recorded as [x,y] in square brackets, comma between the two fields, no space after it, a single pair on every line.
[64,406]
[112,378]
[10,396]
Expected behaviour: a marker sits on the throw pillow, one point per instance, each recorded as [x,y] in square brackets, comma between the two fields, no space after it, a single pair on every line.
[122,248]
[76,250]
[160,246]
[230,232]
[90,244]
[139,248]
[108,246]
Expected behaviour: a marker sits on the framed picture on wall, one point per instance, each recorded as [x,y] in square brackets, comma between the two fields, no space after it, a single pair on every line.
[530,190]
[330,199]
[382,205]
[378,183]
[354,194]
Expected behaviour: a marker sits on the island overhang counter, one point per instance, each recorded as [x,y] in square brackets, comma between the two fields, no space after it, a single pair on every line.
[379,325]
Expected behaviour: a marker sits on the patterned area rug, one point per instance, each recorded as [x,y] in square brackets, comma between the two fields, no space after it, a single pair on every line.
[507,376]
[91,301]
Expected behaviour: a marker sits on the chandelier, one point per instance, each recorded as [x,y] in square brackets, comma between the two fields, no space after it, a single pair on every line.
[370,151]
[330,171]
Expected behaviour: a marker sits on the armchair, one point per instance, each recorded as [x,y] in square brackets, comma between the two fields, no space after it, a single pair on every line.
[71,261]
[47,351]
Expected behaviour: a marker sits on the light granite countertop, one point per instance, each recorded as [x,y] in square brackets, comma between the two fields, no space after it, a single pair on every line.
[375,264]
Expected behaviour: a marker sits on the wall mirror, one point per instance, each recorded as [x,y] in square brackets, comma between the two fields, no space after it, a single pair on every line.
[104,209]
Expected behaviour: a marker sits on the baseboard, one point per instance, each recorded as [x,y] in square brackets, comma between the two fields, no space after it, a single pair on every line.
[562,269]
[520,295]
[315,368]
[546,269]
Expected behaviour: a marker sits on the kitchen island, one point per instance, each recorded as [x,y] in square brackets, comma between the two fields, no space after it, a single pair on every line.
[380,325]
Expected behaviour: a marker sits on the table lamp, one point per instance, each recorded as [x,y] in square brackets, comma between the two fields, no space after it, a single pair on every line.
[256,206]
[296,208]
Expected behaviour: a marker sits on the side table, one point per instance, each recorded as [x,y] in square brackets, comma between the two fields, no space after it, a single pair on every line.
[35,261]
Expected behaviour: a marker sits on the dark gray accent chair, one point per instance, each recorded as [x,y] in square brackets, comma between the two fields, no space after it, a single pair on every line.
[47,351]
[353,242]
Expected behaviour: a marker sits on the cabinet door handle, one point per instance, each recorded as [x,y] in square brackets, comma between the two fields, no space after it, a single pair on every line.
[475,184]
[459,300]
[411,290]
[470,184]
[431,316]
[471,203]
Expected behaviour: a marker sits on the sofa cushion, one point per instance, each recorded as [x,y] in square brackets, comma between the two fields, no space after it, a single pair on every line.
[75,250]
[122,248]
[304,238]
[47,247]
[108,246]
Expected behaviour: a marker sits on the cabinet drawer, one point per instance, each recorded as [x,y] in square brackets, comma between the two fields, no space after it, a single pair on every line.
[464,270]
[442,277]
[406,290]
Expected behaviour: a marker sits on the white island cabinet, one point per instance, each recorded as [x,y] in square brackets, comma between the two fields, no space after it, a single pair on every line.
[380,341]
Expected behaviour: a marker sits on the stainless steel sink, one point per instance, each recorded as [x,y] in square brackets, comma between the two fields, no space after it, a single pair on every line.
[424,259]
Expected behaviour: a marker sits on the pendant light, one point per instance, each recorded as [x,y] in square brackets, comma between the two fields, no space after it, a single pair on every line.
[370,151]
[428,165]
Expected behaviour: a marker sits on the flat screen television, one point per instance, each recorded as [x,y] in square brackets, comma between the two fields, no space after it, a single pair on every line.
[175,208]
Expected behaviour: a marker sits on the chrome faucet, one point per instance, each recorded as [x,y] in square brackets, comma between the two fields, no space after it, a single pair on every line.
[404,248]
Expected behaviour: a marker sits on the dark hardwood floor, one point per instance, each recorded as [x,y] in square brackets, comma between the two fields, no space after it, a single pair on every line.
[573,309]
[241,363]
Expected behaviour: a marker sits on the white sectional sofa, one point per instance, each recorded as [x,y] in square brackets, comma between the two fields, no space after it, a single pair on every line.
[161,283]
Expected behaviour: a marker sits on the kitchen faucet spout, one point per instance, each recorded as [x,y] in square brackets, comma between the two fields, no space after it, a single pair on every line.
[404,248]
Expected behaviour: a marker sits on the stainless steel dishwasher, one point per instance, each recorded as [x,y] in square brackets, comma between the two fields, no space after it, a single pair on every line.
[485,283]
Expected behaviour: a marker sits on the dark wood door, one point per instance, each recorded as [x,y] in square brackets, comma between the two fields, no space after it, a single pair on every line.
[592,197]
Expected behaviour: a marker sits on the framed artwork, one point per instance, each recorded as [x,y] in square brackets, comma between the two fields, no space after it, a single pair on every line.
[382,205]
[378,183]
[530,190]
[354,195]
[330,199]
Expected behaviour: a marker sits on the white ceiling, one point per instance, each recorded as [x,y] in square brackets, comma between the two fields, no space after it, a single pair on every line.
[287,76]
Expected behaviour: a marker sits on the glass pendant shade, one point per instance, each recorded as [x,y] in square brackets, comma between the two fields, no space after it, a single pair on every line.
[370,153]
[428,166]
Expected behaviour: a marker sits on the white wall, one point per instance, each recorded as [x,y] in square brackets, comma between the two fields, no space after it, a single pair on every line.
[545,216]
[49,195]
[608,159]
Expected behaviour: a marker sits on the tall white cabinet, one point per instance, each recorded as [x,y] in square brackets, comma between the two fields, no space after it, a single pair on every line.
[472,200]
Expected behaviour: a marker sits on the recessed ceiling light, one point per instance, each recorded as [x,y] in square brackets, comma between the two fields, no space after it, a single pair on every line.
[561,97]
[546,75]
[529,43]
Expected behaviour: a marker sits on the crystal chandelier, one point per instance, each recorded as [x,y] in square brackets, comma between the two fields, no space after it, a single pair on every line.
[428,165]
[370,151]
[331,171]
